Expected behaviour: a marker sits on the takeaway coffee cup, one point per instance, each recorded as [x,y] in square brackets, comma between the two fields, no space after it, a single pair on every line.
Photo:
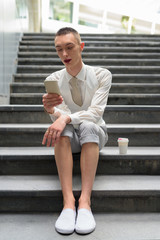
[123,145]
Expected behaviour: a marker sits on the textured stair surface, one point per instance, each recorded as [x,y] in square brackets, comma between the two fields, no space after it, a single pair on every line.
[110,193]
[114,98]
[32,134]
[97,49]
[124,183]
[40,160]
[98,43]
[114,69]
[113,114]
[116,78]
[96,55]
[111,226]
[92,61]
[116,88]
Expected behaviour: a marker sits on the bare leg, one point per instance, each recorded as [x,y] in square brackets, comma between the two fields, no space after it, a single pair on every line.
[64,162]
[89,161]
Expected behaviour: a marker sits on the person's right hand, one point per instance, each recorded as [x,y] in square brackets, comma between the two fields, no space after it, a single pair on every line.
[50,100]
[53,133]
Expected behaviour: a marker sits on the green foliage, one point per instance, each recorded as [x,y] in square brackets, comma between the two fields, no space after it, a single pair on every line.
[61,10]
[125,20]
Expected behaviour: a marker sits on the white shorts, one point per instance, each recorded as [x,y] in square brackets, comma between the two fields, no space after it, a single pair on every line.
[87,132]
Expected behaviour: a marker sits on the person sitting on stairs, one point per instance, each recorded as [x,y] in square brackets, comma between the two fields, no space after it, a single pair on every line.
[78,126]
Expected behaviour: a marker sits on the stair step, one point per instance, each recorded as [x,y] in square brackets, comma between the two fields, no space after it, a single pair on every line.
[124,183]
[47,48]
[28,135]
[98,43]
[135,88]
[114,98]
[23,114]
[113,114]
[133,99]
[97,38]
[110,226]
[114,69]
[95,55]
[40,160]
[132,114]
[119,35]
[136,78]
[116,78]
[42,193]
[30,77]
[96,62]
[116,88]
[27,88]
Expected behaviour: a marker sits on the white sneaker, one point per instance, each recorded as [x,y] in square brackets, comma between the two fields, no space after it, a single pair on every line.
[85,222]
[65,223]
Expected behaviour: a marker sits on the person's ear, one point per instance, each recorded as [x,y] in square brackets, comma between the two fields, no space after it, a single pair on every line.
[82,46]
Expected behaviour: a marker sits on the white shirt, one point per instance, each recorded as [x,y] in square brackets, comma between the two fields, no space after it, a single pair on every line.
[95,83]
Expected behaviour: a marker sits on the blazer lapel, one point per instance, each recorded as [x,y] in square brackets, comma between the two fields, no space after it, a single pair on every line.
[65,89]
[91,85]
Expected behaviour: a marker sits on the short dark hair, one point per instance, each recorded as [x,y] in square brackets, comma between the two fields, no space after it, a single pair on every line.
[67,30]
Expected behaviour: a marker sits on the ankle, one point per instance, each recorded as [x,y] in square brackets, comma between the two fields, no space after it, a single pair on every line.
[84,203]
[69,203]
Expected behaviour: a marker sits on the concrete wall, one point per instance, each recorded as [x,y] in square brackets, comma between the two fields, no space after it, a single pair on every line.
[10,31]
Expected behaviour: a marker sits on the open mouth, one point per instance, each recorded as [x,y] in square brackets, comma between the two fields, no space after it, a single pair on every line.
[67,60]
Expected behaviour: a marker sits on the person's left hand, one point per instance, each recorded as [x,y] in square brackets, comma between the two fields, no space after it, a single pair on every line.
[53,133]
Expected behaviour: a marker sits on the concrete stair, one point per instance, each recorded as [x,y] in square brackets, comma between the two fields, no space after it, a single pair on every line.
[101,55]
[40,160]
[124,183]
[106,43]
[110,193]
[117,78]
[111,226]
[113,114]
[152,49]
[32,134]
[114,99]
[116,87]
[91,61]
[35,185]
[115,69]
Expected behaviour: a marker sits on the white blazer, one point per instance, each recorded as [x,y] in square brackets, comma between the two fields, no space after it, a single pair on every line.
[95,83]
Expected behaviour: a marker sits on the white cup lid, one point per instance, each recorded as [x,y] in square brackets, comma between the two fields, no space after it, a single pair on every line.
[123,140]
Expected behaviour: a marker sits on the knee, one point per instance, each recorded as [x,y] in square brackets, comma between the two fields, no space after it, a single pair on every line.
[88,128]
[63,141]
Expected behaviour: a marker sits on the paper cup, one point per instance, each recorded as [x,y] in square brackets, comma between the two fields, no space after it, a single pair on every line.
[123,145]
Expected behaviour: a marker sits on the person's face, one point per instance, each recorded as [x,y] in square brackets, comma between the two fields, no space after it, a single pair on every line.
[69,50]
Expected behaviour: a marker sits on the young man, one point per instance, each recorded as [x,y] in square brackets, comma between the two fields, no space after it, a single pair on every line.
[77,126]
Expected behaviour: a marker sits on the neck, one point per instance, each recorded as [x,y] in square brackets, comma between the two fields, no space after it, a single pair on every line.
[75,70]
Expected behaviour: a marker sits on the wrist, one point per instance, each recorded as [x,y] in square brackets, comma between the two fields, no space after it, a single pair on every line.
[51,111]
[66,119]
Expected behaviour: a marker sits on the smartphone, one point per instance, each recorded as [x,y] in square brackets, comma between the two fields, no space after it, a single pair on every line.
[52,86]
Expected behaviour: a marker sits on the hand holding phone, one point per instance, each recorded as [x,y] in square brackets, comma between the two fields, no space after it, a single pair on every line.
[52,87]
[50,100]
